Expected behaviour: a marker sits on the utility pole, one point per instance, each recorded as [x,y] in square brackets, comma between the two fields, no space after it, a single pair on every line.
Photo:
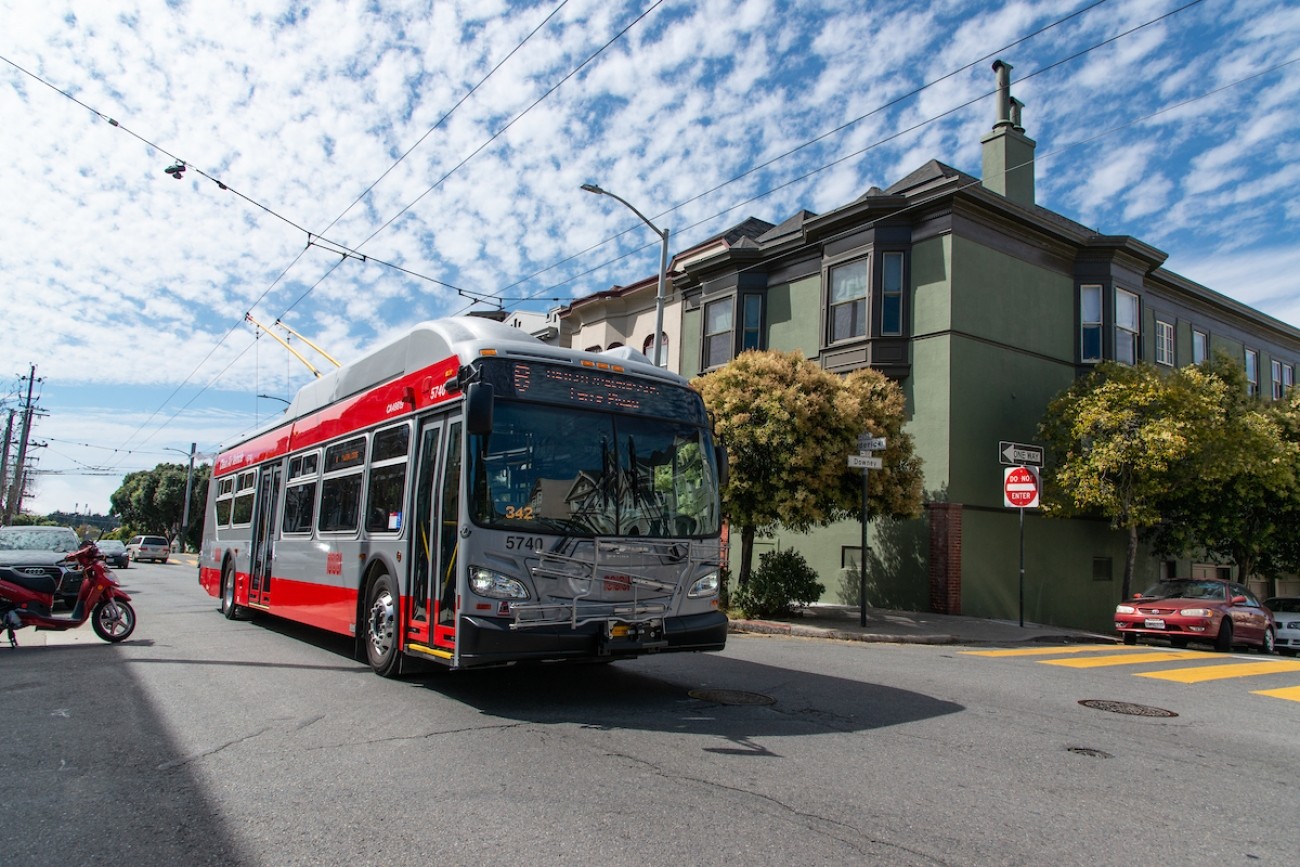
[4,466]
[15,504]
[189,487]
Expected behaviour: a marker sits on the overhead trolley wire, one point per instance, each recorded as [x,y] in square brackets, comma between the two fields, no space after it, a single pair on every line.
[837,161]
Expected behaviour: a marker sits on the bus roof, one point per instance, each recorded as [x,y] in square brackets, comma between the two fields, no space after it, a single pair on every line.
[436,340]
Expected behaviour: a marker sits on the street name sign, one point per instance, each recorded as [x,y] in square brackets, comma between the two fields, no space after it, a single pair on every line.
[1020,454]
[866,462]
[868,443]
[1020,488]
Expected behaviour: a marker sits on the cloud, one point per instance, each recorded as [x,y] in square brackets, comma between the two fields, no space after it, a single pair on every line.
[125,279]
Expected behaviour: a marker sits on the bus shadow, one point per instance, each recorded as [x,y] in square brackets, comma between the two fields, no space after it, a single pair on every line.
[735,700]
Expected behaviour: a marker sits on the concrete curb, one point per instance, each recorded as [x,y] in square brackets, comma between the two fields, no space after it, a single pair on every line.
[773,627]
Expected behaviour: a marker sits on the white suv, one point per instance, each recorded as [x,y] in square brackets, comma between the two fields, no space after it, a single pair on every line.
[148,548]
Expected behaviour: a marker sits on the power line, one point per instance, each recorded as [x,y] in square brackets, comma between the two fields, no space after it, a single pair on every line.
[845,157]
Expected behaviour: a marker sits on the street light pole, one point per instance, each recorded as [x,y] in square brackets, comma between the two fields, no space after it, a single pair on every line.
[663,263]
[189,488]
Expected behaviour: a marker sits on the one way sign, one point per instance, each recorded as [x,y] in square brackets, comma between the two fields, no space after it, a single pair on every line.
[1020,454]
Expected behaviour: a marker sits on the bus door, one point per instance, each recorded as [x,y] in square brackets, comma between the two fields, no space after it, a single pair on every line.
[262,545]
[448,517]
[424,537]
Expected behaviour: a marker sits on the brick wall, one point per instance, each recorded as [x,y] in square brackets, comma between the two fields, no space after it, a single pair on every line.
[945,557]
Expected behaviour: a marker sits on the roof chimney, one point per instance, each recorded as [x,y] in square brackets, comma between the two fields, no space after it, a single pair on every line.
[1008,152]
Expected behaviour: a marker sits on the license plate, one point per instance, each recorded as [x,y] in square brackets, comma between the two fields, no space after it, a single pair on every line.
[1155,623]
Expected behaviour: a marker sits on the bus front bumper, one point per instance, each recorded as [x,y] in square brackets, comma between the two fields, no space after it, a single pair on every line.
[492,641]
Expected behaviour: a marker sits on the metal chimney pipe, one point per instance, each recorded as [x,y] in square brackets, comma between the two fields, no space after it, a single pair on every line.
[1016,106]
[1003,71]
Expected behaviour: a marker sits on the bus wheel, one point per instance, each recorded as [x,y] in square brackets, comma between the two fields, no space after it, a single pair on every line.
[228,607]
[381,627]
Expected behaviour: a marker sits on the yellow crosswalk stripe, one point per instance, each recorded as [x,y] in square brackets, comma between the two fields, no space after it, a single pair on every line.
[1042,651]
[1120,659]
[1223,672]
[1291,693]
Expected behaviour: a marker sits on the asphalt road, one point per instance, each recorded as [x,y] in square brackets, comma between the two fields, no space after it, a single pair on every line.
[202,741]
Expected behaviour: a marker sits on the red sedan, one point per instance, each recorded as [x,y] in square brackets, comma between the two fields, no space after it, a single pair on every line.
[1192,609]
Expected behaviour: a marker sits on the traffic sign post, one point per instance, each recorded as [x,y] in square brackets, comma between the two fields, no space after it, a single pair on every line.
[1020,491]
[866,462]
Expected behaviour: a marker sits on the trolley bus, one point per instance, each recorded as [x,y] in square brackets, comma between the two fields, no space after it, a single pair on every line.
[470,495]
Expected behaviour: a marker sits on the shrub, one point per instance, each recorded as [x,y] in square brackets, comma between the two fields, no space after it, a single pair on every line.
[782,582]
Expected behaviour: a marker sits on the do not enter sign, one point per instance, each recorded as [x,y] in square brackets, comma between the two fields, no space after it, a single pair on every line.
[1020,488]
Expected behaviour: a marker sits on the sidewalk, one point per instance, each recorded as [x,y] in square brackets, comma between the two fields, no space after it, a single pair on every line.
[843,623]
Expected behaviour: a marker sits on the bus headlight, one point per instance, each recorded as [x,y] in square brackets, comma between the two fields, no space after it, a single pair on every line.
[485,582]
[706,586]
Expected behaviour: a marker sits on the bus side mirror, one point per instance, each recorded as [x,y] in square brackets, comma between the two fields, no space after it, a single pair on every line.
[724,467]
[478,408]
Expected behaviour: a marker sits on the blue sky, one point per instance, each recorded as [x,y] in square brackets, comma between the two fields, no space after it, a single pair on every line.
[1175,122]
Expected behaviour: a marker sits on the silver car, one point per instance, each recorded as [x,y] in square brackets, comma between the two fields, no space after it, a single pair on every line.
[148,548]
[1286,613]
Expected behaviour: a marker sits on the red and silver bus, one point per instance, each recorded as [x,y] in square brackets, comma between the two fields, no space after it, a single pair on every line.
[470,495]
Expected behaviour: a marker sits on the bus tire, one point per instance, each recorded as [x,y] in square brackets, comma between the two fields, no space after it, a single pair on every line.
[380,636]
[229,609]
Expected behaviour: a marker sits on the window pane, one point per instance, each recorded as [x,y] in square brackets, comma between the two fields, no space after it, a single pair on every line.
[384,512]
[339,503]
[1126,310]
[1090,346]
[717,316]
[891,307]
[1090,304]
[391,443]
[1200,346]
[299,505]
[849,282]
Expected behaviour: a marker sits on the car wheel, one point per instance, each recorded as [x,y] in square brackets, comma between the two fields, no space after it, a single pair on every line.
[1266,646]
[1223,642]
[1130,639]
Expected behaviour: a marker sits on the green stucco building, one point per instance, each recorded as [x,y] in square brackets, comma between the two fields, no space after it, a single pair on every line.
[983,306]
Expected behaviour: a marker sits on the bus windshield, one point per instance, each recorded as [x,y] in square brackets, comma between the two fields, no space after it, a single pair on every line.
[574,472]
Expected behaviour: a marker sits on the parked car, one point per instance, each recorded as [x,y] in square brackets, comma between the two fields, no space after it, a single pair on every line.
[1286,617]
[1203,610]
[115,553]
[148,548]
[36,550]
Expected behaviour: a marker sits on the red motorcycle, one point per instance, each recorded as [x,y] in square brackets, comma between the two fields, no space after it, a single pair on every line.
[27,598]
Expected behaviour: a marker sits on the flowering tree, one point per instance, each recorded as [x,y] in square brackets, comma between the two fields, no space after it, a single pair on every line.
[789,427]
[1122,441]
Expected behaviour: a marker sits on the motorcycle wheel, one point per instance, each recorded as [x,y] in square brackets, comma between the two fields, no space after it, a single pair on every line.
[113,620]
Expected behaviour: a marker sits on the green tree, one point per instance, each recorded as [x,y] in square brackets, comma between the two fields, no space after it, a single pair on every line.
[153,501]
[789,427]
[1121,440]
[1236,501]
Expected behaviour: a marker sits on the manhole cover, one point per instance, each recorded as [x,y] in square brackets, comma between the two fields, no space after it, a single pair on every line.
[1090,752]
[731,696]
[1125,707]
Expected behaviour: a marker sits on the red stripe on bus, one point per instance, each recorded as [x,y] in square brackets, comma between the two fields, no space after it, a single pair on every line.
[387,402]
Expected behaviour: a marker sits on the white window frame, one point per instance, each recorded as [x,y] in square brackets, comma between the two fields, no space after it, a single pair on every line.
[1164,343]
[1200,345]
[1128,330]
[1090,324]
[1252,372]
